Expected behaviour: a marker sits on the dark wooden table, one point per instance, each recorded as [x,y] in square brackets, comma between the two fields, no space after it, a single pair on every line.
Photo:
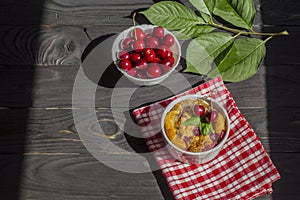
[41,154]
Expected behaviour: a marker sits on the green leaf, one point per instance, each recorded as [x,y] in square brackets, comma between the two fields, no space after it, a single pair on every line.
[242,61]
[205,8]
[172,15]
[206,129]
[202,51]
[192,32]
[237,12]
[193,121]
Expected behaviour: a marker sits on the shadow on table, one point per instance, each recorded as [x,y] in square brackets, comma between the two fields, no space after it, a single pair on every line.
[98,65]
[17,69]
[106,75]
[282,82]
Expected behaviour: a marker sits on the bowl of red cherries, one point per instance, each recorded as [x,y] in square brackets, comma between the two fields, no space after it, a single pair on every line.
[146,54]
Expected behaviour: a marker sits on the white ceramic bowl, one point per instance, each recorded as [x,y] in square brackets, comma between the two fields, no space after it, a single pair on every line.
[176,50]
[194,157]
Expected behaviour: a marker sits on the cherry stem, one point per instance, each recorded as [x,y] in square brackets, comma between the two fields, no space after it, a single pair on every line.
[133,19]
[245,32]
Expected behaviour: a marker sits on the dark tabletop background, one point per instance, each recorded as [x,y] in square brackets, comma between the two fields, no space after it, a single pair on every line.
[41,154]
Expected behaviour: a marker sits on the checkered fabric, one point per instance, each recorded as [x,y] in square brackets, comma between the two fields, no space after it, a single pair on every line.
[242,170]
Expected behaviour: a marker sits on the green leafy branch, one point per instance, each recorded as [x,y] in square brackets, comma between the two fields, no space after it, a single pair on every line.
[214,53]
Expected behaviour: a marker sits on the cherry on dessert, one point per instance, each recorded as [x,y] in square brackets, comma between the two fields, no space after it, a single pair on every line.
[168,40]
[212,116]
[123,55]
[126,43]
[135,57]
[138,33]
[154,71]
[152,42]
[162,52]
[196,131]
[214,136]
[158,31]
[138,45]
[125,65]
[199,110]
[148,54]
[132,72]
[141,64]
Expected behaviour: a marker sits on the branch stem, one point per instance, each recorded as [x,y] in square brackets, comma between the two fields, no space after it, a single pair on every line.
[245,32]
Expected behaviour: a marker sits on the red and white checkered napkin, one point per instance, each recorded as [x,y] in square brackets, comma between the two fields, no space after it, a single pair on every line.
[242,170]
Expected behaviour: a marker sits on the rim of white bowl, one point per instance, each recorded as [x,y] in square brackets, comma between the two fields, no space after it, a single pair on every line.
[195,96]
[143,26]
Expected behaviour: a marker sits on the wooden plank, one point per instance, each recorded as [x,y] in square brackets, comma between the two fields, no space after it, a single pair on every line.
[71,177]
[35,45]
[68,12]
[52,86]
[52,131]
[77,177]
[290,176]
[64,45]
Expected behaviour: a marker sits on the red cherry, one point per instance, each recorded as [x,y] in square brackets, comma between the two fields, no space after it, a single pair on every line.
[158,32]
[148,54]
[212,116]
[168,40]
[156,60]
[148,36]
[150,57]
[125,65]
[169,61]
[166,65]
[152,42]
[135,57]
[154,71]
[196,131]
[138,45]
[126,43]
[199,110]
[132,72]
[169,54]
[141,64]
[123,55]
[162,52]
[138,33]
[140,75]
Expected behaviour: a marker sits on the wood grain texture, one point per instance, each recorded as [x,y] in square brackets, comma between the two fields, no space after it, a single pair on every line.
[64,45]
[115,12]
[75,177]
[52,86]
[83,177]
[55,163]
[42,156]
[52,131]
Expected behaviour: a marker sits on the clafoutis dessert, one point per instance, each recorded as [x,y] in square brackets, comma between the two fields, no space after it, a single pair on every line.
[194,125]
